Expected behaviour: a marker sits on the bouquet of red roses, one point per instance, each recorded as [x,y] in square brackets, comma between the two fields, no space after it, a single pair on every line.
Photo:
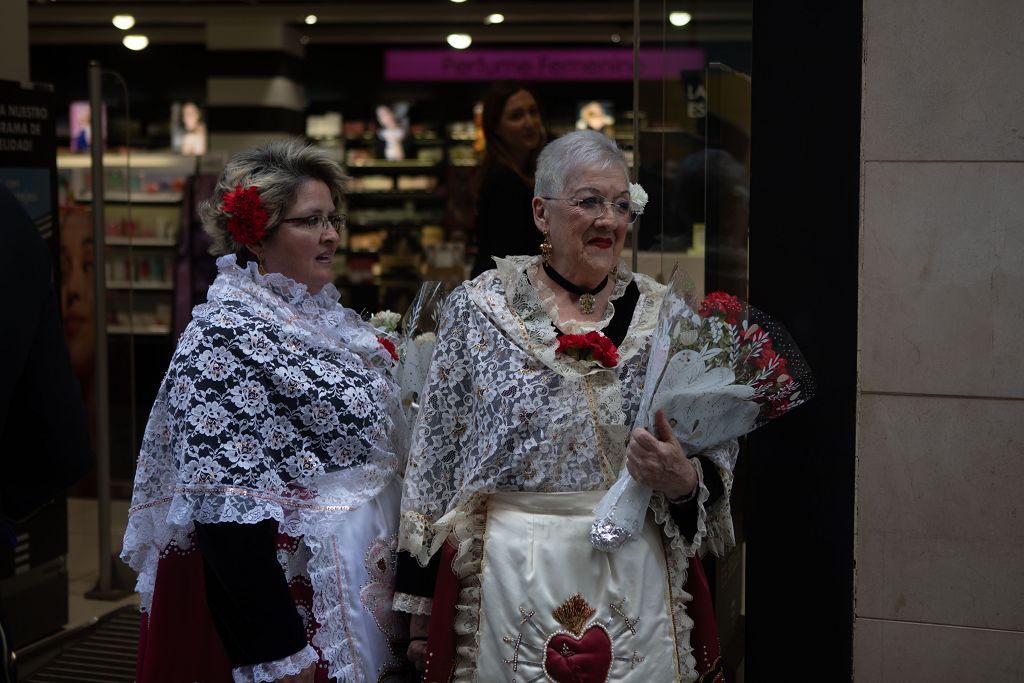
[718,372]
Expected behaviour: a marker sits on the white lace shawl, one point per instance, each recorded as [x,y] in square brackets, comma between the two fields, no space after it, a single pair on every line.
[502,411]
[277,405]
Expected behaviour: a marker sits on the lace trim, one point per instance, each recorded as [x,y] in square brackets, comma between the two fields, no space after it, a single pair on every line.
[510,298]
[291,291]
[548,304]
[412,604]
[715,531]
[677,564]
[467,566]
[272,671]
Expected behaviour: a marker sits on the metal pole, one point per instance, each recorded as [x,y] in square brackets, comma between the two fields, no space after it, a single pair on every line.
[636,117]
[102,379]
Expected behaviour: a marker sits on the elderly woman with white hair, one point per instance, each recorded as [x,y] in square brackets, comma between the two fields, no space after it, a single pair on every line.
[524,424]
[266,496]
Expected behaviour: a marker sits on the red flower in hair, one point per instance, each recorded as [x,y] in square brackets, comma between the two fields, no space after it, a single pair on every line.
[592,346]
[248,221]
[722,304]
[390,346]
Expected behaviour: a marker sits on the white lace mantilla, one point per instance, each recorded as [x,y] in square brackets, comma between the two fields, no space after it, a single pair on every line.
[278,404]
[502,411]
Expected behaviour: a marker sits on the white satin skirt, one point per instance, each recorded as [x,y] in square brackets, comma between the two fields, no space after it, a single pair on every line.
[552,607]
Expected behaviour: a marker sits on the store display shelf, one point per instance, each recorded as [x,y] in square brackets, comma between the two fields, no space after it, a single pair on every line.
[148,330]
[385,165]
[464,162]
[394,194]
[462,137]
[122,284]
[135,197]
[124,241]
[368,226]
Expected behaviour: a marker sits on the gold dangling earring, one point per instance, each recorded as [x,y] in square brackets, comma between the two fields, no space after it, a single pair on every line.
[260,265]
[545,246]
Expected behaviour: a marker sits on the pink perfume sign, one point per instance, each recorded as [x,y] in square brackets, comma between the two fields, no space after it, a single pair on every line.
[615,64]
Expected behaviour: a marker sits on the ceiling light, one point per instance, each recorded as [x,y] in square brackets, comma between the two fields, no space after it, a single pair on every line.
[310,19]
[123,21]
[494,18]
[616,38]
[458,2]
[679,18]
[460,41]
[304,40]
[135,41]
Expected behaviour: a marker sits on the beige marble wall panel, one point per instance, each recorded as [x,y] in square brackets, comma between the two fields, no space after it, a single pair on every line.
[942,80]
[939,511]
[901,652]
[943,279]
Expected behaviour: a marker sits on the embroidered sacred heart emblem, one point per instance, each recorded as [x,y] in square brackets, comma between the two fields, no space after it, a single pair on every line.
[587,659]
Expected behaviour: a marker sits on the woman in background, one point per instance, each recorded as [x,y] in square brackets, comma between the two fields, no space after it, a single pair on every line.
[515,134]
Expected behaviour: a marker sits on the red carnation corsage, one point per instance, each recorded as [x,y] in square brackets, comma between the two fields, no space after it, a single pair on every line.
[726,305]
[248,221]
[390,346]
[592,346]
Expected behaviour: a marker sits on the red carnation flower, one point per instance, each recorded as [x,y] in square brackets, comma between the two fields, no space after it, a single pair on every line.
[390,346]
[592,346]
[248,221]
[723,304]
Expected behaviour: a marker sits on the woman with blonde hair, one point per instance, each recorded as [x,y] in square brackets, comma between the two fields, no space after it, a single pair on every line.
[264,511]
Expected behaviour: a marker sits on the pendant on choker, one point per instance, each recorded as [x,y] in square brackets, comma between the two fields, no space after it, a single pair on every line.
[586,296]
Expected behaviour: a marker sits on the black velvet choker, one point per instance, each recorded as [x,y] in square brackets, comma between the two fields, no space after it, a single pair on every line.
[586,302]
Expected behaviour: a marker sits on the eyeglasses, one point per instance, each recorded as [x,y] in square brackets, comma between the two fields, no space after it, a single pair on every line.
[318,222]
[594,206]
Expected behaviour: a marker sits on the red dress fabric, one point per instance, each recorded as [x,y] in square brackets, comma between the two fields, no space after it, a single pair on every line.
[178,640]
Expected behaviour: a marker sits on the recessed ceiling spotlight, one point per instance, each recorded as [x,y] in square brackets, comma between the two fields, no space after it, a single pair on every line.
[458,2]
[310,19]
[616,38]
[494,18]
[123,21]
[679,18]
[135,41]
[460,41]
[304,40]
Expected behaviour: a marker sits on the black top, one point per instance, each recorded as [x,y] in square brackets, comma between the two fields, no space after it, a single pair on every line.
[504,219]
[246,591]
[43,423]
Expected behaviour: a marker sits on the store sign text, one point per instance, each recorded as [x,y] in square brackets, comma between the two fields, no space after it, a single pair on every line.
[537,65]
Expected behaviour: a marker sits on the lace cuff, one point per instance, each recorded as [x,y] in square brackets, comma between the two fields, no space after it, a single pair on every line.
[714,524]
[412,604]
[272,671]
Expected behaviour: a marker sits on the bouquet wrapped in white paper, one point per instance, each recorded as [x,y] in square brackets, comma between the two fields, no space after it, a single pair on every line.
[718,372]
[419,335]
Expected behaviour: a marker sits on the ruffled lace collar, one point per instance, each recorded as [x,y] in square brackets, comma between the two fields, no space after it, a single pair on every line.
[319,318]
[295,293]
[527,311]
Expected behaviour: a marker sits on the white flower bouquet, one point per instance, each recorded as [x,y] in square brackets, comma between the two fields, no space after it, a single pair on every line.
[718,372]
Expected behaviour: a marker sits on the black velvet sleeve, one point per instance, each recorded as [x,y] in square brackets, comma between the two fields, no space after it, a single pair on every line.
[247,593]
[685,514]
[412,579]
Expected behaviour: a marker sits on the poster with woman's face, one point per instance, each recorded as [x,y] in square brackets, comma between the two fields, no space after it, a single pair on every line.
[188,129]
[596,115]
[80,119]
[77,294]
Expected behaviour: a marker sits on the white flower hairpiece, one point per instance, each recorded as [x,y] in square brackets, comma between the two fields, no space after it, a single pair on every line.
[638,196]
